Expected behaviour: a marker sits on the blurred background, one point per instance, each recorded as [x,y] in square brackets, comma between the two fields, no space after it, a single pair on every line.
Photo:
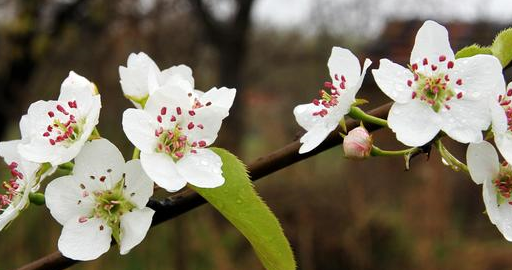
[337,214]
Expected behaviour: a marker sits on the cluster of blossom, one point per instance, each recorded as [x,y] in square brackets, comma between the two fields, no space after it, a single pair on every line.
[104,197]
[435,95]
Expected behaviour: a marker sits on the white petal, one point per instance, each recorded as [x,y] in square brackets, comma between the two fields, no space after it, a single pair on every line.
[490,201]
[134,227]
[304,115]
[100,158]
[498,118]
[218,98]
[13,210]
[25,128]
[84,241]
[504,144]
[203,169]
[431,42]
[79,89]
[209,119]
[505,223]
[140,128]
[9,151]
[481,76]
[65,198]
[465,120]
[134,77]
[313,138]
[182,72]
[392,80]
[138,185]
[162,170]
[353,90]
[483,162]
[343,62]
[170,97]
[414,123]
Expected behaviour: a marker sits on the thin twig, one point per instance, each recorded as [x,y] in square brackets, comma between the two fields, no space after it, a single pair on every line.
[262,167]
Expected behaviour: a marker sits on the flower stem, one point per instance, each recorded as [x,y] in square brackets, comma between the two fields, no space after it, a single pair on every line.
[68,166]
[449,159]
[357,113]
[136,153]
[95,135]
[377,152]
[36,198]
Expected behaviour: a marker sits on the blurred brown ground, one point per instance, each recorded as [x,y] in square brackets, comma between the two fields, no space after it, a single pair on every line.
[338,214]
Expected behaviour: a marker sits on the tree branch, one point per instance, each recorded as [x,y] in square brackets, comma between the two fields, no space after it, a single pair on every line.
[263,166]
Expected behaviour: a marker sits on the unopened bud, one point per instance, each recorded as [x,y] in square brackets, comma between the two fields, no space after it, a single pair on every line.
[357,144]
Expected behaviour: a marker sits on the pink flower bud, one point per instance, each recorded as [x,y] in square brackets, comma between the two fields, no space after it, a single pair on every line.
[357,144]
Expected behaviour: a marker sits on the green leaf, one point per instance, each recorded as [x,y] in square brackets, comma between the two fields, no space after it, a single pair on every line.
[502,46]
[240,204]
[472,50]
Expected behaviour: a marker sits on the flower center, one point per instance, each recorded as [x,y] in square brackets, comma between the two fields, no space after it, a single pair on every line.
[13,187]
[505,103]
[503,184]
[64,129]
[431,83]
[329,99]
[174,142]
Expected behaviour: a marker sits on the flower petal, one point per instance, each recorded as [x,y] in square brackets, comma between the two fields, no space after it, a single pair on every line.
[65,198]
[84,241]
[392,80]
[504,144]
[140,128]
[162,170]
[343,62]
[207,124]
[466,119]
[138,185]
[101,160]
[203,169]
[481,77]
[414,123]
[431,42]
[483,162]
[181,71]
[218,99]
[134,77]
[313,138]
[134,227]
[79,89]
[491,202]
[504,225]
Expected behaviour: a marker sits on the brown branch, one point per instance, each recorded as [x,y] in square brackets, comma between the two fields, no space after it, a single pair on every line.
[262,167]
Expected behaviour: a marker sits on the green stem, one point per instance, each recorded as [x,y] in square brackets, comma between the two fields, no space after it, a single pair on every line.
[449,159]
[357,113]
[68,166]
[377,152]
[136,153]
[36,198]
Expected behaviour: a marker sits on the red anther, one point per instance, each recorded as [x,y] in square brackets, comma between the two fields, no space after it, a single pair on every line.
[182,138]
[328,84]
[425,61]
[52,141]
[200,126]
[46,134]
[509,92]
[13,166]
[342,85]
[336,77]
[438,80]
[178,154]
[447,78]
[163,111]
[316,102]
[178,110]
[434,67]
[416,77]
[82,219]
[450,64]
[62,110]
[442,58]
[208,103]
[505,102]
[51,114]
[194,144]
[435,90]
[170,135]
[103,178]
[459,82]
[159,119]
[499,98]
[173,118]
[49,128]
[448,98]
[202,143]
[190,125]
[414,66]
[343,78]
[159,131]
[167,149]
[72,104]
[459,95]
[409,83]
[191,113]
[447,106]
[160,146]
[413,95]
[193,151]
